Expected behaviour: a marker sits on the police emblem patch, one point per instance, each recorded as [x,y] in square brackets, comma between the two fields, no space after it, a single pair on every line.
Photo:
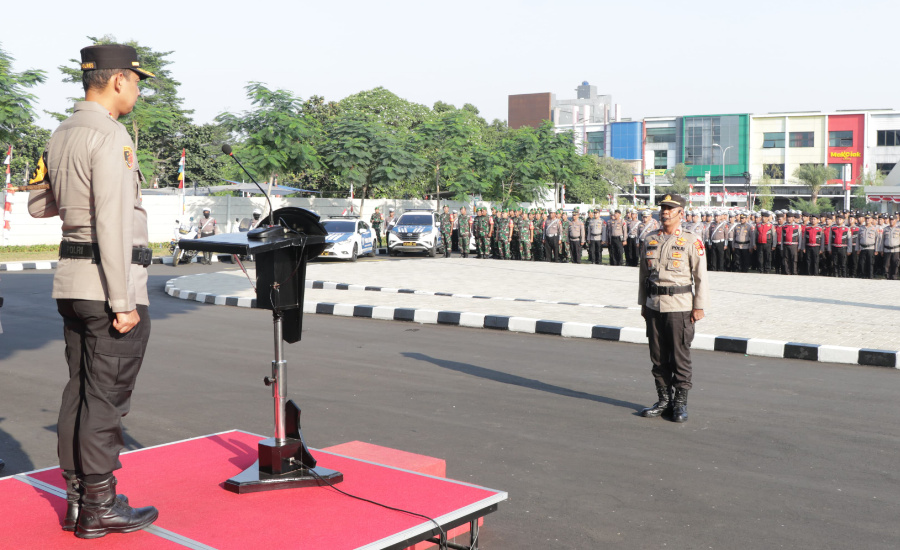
[700,248]
[129,157]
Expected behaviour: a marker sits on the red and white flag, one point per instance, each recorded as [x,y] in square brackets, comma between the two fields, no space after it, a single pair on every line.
[7,207]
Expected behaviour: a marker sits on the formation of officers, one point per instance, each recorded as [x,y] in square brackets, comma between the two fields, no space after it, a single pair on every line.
[789,242]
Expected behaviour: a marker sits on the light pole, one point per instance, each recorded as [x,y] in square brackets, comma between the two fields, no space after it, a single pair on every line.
[725,150]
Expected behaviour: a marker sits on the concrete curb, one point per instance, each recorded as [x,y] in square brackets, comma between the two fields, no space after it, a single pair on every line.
[328,285]
[51,264]
[567,329]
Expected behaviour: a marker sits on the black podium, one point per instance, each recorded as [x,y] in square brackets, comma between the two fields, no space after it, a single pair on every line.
[282,251]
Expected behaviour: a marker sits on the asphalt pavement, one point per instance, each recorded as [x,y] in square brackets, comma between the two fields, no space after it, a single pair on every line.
[777,453]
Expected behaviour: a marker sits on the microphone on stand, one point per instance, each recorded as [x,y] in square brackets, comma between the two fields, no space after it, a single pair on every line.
[260,232]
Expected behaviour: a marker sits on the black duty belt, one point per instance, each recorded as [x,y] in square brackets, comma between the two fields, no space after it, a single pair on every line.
[891,247]
[669,290]
[140,255]
[741,242]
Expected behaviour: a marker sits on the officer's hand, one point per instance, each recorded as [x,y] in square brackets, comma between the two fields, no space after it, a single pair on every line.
[696,315]
[125,321]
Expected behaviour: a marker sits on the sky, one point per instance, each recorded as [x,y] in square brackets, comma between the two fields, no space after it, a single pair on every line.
[656,58]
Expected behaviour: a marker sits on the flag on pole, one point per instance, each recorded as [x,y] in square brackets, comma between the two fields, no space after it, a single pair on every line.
[7,207]
[181,170]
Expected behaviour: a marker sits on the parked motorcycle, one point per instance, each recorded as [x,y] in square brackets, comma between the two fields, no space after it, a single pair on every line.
[182,231]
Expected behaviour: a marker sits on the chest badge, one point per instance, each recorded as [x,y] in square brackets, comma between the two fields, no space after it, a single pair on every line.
[129,157]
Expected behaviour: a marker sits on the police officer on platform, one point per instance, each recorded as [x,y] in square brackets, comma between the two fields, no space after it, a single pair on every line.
[100,286]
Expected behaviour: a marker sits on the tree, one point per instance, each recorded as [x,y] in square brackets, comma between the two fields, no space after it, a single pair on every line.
[383,106]
[16,109]
[446,142]
[866,179]
[206,164]
[276,137]
[804,205]
[510,168]
[814,177]
[158,116]
[28,145]
[370,155]
[678,180]
[764,192]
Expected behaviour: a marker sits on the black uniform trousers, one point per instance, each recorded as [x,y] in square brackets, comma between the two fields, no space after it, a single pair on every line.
[575,249]
[853,264]
[789,259]
[839,259]
[377,237]
[717,253]
[551,248]
[741,260]
[103,367]
[891,263]
[812,260]
[595,251]
[670,336]
[764,257]
[616,250]
[867,263]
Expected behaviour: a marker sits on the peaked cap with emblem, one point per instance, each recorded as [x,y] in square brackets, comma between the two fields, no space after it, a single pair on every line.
[112,56]
[673,200]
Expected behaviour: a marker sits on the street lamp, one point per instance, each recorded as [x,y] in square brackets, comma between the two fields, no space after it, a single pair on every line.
[725,150]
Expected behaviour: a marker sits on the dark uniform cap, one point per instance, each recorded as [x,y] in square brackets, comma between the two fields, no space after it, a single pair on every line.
[673,200]
[112,56]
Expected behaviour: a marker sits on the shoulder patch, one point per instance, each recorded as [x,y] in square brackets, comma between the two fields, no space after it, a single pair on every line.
[129,157]
[698,244]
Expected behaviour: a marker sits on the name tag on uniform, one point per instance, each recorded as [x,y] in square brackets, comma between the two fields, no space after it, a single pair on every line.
[676,255]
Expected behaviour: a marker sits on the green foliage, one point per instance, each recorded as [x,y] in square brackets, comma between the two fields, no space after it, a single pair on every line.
[368,154]
[764,192]
[814,177]
[678,180]
[866,179]
[381,105]
[205,164]
[804,205]
[16,109]
[276,136]
[446,142]
[28,144]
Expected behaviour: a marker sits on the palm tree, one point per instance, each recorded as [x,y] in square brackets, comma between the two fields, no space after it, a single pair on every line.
[814,176]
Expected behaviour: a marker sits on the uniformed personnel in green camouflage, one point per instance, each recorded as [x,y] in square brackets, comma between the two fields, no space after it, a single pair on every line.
[446,230]
[503,236]
[563,236]
[465,232]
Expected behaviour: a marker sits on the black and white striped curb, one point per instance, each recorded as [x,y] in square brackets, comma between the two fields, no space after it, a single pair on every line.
[748,346]
[328,285]
[51,264]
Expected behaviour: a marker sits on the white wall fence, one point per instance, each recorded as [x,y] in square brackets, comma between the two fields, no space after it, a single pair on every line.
[163,210]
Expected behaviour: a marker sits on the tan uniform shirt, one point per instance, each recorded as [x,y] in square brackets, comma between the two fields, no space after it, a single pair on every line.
[96,191]
[576,231]
[673,260]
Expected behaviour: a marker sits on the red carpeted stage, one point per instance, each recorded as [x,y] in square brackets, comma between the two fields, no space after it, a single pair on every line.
[184,480]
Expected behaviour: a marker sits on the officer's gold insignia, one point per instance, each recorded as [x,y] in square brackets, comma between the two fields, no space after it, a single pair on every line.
[653,243]
[676,263]
[668,198]
[676,254]
[129,157]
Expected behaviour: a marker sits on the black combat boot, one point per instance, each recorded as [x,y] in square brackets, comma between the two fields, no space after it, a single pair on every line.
[73,499]
[102,513]
[661,406]
[679,408]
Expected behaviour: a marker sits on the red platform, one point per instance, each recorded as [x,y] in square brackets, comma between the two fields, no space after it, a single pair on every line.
[184,480]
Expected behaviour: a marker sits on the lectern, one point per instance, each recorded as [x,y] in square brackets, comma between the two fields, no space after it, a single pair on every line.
[282,245]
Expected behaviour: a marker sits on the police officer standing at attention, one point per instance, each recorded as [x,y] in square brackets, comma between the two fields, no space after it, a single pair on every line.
[100,286]
[617,232]
[376,220]
[208,227]
[576,237]
[596,231]
[672,295]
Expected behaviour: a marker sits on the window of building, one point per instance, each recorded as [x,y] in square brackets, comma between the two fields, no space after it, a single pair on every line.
[773,140]
[840,139]
[774,171]
[802,139]
[660,135]
[888,138]
[660,160]
[705,139]
[885,168]
[839,171]
[596,143]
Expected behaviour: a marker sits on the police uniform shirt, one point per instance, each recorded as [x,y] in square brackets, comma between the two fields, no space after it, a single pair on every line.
[96,191]
[890,239]
[673,260]
[596,229]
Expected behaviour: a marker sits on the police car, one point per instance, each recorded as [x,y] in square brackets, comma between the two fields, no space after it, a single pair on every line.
[348,237]
[417,230]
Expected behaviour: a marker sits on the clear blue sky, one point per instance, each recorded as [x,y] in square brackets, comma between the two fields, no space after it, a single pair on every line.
[655,57]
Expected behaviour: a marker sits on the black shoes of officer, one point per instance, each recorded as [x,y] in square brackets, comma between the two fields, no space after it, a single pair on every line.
[2,464]
[102,513]
[679,408]
[664,403]
[73,499]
